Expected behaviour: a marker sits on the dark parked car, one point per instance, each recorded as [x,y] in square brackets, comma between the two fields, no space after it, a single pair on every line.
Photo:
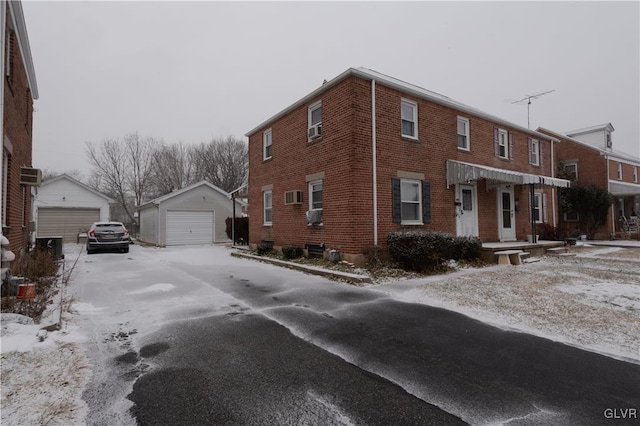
[107,236]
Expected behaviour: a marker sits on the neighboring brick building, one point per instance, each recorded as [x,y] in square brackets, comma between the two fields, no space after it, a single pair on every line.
[19,91]
[588,154]
[366,154]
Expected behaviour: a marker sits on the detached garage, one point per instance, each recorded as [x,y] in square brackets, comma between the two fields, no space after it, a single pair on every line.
[64,207]
[194,215]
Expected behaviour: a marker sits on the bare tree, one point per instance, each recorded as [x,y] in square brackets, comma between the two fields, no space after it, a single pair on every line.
[233,165]
[50,174]
[122,168]
[223,162]
[173,169]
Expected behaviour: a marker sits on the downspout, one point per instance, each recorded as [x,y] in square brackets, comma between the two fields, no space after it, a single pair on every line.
[3,25]
[554,190]
[374,161]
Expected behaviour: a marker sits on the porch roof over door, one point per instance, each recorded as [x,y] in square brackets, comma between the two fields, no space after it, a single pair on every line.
[461,172]
[624,189]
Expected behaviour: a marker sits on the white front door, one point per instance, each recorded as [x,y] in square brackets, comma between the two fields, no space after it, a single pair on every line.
[506,214]
[466,211]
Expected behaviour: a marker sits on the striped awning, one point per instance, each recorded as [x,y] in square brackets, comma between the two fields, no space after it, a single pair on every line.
[461,172]
[624,189]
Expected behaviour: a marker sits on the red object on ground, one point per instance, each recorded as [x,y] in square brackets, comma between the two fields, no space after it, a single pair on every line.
[26,291]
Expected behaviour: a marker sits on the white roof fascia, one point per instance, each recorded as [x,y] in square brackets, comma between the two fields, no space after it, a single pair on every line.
[77,182]
[17,17]
[182,191]
[605,126]
[612,154]
[402,86]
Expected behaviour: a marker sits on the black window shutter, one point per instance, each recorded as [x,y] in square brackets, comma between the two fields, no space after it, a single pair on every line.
[426,202]
[396,200]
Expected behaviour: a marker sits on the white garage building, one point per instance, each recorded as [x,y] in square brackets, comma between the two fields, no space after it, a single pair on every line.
[64,207]
[189,216]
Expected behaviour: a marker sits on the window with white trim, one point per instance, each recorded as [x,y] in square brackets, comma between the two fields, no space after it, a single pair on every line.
[503,143]
[411,201]
[267,197]
[537,207]
[535,152]
[619,171]
[266,144]
[315,120]
[463,133]
[571,171]
[315,195]
[635,174]
[409,118]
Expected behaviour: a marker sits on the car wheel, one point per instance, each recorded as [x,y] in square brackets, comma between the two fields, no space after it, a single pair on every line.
[89,251]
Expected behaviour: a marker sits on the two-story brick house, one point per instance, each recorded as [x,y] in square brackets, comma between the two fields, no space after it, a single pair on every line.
[19,90]
[366,154]
[588,156]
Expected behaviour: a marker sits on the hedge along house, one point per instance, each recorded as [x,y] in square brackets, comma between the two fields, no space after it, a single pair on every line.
[366,154]
[588,157]
[65,207]
[192,215]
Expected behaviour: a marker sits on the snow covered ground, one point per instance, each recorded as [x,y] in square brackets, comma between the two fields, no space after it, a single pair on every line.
[590,301]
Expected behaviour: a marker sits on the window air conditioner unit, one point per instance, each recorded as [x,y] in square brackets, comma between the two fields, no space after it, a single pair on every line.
[314,217]
[292,197]
[315,131]
[29,176]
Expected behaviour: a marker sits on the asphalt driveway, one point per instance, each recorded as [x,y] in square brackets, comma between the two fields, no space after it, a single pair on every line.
[195,336]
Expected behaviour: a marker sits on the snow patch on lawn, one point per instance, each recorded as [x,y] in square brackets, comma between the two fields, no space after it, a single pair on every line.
[625,297]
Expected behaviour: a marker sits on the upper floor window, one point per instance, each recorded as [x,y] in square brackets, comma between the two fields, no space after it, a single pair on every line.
[409,118]
[619,171]
[9,58]
[315,120]
[463,133]
[571,171]
[266,144]
[315,195]
[635,174]
[609,140]
[534,152]
[503,143]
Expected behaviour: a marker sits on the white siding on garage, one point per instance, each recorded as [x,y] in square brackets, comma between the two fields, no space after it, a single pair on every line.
[189,227]
[65,222]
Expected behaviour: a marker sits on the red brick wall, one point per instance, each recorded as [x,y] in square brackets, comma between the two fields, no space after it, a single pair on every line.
[18,107]
[592,169]
[344,154]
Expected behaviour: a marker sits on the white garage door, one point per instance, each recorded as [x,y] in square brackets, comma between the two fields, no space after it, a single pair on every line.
[189,227]
[65,222]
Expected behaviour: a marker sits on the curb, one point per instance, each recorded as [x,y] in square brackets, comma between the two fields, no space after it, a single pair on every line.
[336,275]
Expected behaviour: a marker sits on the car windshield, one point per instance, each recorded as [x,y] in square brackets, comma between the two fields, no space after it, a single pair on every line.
[109,227]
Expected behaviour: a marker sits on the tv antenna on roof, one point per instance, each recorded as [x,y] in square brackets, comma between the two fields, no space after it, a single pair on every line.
[528,99]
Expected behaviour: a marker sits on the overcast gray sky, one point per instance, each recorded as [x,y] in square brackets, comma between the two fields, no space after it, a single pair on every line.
[190,71]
